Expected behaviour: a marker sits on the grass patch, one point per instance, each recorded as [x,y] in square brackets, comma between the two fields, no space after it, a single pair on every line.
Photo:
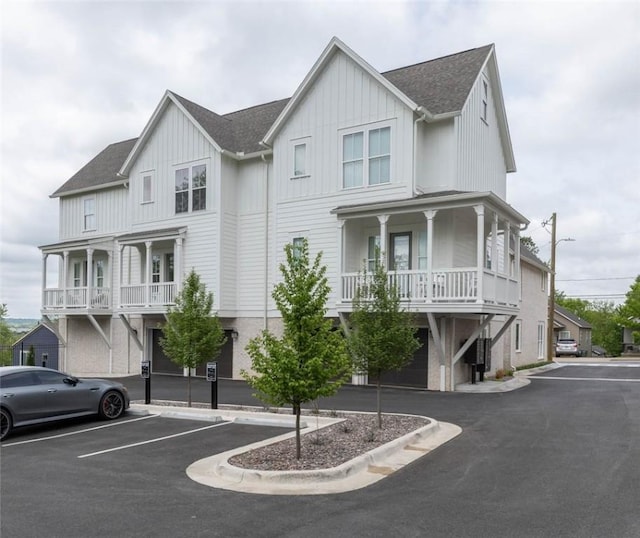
[531,365]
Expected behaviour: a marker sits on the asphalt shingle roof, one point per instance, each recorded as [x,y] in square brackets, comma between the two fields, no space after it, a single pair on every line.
[573,317]
[441,85]
[101,170]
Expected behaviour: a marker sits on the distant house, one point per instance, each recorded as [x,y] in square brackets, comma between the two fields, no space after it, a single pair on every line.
[566,324]
[629,347]
[45,345]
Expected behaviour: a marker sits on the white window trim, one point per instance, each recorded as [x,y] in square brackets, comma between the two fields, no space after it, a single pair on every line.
[94,226]
[190,165]
[304,141]
[518,336]
[148,174]
[365,129]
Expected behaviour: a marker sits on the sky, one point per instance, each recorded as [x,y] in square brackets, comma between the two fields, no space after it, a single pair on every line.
[77,76]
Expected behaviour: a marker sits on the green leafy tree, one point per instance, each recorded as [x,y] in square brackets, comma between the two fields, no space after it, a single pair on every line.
[6,337]
[382,334]
[192,334]
[310,359]
[31,356]
[530,244]
[630,310]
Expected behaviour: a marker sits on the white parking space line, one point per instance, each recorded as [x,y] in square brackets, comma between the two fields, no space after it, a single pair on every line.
[153,440]
[585,379]
[111,424]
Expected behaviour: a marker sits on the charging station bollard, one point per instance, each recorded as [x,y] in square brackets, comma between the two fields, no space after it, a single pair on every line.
[145,373]
[212,377]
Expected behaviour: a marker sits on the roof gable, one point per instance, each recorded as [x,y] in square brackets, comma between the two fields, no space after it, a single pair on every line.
[573,318]
[334,46]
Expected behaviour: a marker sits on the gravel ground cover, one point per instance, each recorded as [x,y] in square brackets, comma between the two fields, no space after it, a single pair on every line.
[321,448]
[330,446]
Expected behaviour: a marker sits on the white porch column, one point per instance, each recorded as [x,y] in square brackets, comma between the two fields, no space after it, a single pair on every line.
[516,269]
[382,219]
[65,272]
[109,278]
[507,246]
[341,256]
[44,279]
[430,214]
[494,243]
[89,276]
[177,264]
[148,245]
[479,209]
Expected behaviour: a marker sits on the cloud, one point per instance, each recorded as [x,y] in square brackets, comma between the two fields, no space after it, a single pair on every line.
[77,76]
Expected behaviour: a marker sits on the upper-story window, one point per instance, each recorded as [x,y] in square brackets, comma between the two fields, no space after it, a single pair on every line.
[299,160]
[298,246]
[89,208]
[373,252]
[366,154]
[191,188]
[147,188]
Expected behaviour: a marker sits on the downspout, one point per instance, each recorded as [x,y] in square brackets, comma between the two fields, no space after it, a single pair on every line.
[423,117]
[266,242]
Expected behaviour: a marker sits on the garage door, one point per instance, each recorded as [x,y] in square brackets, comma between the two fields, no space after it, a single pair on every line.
[415,373]
[161,364]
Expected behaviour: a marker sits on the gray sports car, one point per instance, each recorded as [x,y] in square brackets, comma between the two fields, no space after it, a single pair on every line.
[33,395]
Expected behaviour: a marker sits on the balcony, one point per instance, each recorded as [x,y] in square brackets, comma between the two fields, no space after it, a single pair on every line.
[440,290]
[161,294]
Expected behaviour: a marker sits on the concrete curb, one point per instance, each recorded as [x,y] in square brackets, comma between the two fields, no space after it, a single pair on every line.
[216,471]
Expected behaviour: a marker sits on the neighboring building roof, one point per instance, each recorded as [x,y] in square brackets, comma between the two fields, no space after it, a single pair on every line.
[530,257]
[441,85]
[40,326]
[575,319]
[101,171]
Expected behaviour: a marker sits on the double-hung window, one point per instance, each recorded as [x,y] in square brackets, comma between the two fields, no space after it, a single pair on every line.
[147,191]
[89,207]
[366,155]
[191,188]
[373,252]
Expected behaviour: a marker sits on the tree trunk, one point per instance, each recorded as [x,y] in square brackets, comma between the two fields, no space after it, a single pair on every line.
[296,409]
[189,388]
[379,406]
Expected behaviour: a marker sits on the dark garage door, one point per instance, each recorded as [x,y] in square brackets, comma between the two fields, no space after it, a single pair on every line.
[161,364]
[415,373]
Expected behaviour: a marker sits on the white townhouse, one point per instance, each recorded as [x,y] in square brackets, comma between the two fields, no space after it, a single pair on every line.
[413,161]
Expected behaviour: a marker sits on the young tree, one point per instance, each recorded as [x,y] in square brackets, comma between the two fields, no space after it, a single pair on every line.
[192,334]
[382,335]
[31,356]
[630,310]
[6,338]
[310,359]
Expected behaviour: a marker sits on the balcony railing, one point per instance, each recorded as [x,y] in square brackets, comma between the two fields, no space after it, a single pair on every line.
[441,286]
[131,296]
[58,298]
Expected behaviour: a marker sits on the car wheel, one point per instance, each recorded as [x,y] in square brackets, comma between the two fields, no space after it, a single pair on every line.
[5,423]
[111,405]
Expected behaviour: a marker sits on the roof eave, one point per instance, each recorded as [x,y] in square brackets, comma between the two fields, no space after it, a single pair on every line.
[103,186]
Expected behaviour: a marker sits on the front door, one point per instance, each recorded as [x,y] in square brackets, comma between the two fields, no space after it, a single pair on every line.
[400,246]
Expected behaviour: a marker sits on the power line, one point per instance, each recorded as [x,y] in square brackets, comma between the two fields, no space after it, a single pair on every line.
[590,279]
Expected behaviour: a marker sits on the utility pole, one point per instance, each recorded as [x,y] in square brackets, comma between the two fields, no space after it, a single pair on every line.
[552,291]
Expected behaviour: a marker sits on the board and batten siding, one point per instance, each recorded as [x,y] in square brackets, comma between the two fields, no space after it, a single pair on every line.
[176,141]
[480,158]
[436,156]
[110,210]
[342,97]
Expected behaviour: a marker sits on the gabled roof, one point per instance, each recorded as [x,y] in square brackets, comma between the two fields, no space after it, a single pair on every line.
[442,86]
[530,257]
[99,172]
[573,318]
[39,327]
[437,88]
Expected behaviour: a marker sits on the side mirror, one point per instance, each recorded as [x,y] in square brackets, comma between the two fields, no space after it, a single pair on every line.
[71,380]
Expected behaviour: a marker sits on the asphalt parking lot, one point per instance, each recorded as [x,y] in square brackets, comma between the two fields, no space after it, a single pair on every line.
[556,458]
